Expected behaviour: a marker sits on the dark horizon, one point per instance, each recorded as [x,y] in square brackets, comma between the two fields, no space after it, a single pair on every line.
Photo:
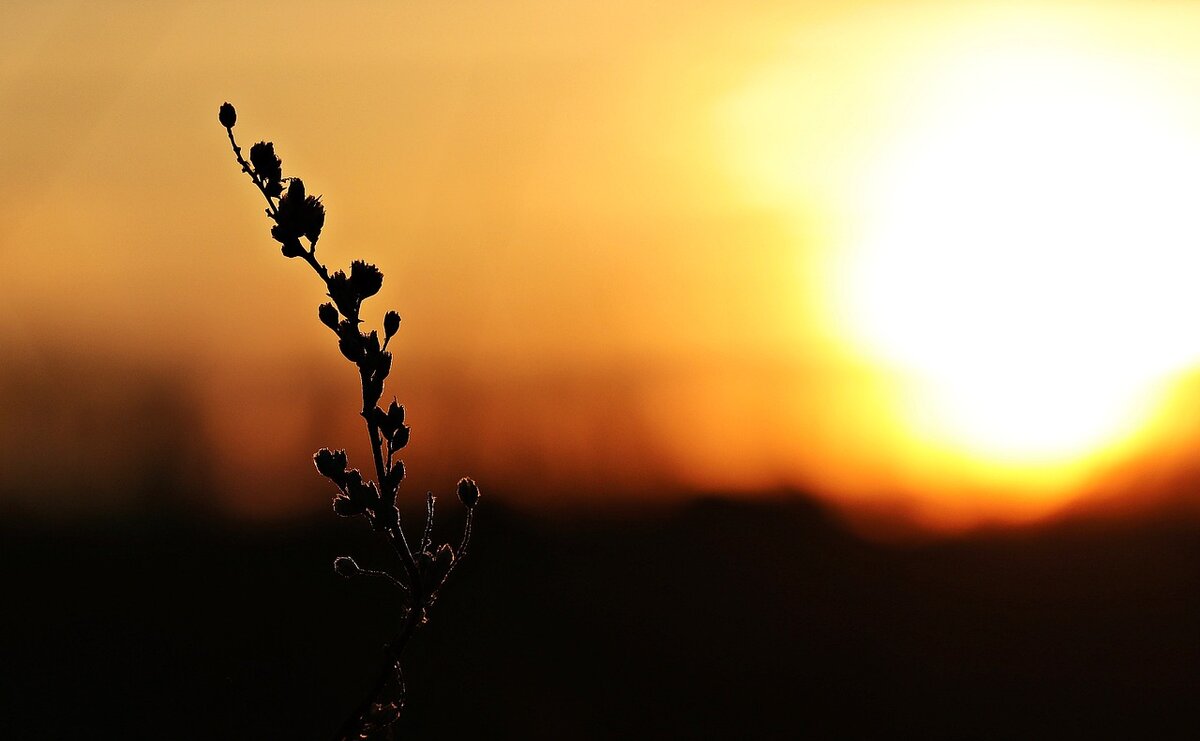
[716,619]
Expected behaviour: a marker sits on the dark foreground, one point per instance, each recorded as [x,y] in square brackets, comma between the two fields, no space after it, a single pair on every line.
[720,621]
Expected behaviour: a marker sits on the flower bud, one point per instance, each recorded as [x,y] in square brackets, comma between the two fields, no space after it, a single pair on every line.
[292,248]
[227,116]
[468,492]
[395,415]
[331,464]
[346,567]
[391,324]
[295,191]
[328,314]
[351,346]
[266,163]
[312,218]
[365,278]
[398,471]
[343,294]
[346,507]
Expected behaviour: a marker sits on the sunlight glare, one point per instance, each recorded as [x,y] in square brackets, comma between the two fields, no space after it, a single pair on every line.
[1029,251]
[995,212]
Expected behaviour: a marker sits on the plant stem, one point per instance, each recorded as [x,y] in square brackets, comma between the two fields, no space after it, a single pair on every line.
[237,152]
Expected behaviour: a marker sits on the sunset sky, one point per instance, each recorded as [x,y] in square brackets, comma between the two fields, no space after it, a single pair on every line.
[935,259]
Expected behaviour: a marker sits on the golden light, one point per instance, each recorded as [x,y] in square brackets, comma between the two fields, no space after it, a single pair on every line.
[1015,243]
[1030,253]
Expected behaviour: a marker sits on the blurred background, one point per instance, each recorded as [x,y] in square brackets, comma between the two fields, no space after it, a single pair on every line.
[828,369]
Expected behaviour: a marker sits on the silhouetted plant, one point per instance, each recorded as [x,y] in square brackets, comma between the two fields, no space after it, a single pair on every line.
[298,216]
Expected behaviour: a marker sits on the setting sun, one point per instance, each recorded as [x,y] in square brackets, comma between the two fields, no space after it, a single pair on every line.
[1029,254]
[1009,240]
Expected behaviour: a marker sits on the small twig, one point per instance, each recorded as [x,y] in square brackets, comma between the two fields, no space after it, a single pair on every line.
[246,168]
[387,577]
[427,537]
[461,553]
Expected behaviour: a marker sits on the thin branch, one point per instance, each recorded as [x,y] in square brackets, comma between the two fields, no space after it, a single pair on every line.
[246,168]
[427,537]
[386,576]
[461,553]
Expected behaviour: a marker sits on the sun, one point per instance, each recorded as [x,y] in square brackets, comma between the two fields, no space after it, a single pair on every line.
[1026,254]
[995,215]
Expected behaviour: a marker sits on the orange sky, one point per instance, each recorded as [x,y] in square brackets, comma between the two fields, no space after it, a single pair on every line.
[629,240]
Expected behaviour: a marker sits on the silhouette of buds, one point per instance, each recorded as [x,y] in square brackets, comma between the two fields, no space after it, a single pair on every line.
[395,414]
[227,115]
[393,477]
[299,215]
[391,324]
[468,492]
[291,247]
[434,566]
[328,315]
[366,279]
[296,216]
[357,496]
[350,342]
[343,294]
[345,507]
[382,365]
[391,424]
[268,167]
[314,218]
[361,491]
[332,465]
[346,567]
[372,388]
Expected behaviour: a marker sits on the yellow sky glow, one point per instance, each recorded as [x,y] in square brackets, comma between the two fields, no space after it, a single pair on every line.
[931,256]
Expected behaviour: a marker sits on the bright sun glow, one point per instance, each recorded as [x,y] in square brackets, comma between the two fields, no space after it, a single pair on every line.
[1029,255]
[1006,248]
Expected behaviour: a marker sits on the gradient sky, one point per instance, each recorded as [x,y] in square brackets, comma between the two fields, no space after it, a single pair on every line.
[619,234]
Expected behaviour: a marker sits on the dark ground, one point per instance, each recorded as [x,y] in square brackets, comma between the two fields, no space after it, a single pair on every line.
[722,621]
